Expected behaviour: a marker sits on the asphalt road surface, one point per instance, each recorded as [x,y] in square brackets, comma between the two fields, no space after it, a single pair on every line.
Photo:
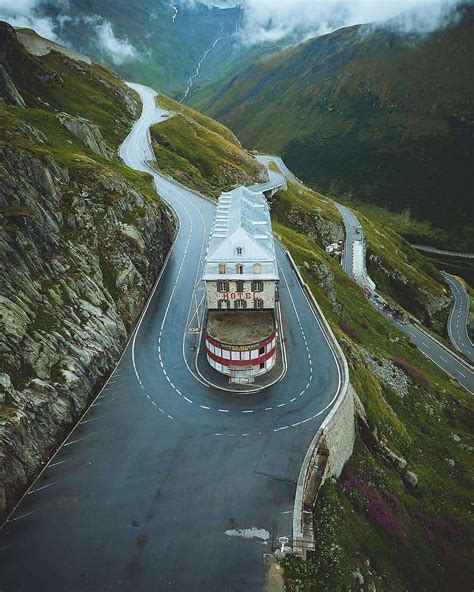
[351,224]
[447,360]
[457,321]
[165,483]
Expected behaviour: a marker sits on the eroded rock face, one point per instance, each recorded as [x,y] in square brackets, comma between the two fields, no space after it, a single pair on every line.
[88,133]
[325,280]
[8,90]
[315,225]
[422,303]
[79,253]
[387,372]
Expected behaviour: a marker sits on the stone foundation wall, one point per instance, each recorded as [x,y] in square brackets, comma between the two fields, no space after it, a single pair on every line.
[332,445]
[339,436]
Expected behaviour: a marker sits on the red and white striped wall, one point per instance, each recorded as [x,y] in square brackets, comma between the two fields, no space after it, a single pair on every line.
[249,360]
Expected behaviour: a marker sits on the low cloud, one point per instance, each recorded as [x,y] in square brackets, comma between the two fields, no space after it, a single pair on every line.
[266,20]
[25,13]
[119,50]
[272,20]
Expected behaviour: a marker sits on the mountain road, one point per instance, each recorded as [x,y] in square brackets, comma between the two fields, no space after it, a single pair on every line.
[166,483]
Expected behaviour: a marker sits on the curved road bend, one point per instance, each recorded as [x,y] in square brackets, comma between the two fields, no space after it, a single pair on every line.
[451,363]
[140,495]
[350,224]
[431,347]
[458,318]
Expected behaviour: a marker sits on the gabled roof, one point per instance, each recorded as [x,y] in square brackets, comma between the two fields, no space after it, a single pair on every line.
[242,220]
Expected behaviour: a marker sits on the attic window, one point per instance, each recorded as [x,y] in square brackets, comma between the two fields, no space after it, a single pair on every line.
[257,268]
[239,250]
[221,267]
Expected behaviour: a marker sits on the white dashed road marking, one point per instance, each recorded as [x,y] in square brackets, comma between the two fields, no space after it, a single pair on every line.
[40,488]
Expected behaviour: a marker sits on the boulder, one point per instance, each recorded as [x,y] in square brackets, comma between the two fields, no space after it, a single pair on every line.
[411,479]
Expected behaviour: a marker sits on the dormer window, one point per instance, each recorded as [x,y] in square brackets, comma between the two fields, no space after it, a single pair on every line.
[239,250]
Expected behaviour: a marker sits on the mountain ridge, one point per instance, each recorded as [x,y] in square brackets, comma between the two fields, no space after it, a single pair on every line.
[358,120]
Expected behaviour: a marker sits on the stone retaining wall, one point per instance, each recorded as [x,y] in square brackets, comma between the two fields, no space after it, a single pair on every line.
[333,443]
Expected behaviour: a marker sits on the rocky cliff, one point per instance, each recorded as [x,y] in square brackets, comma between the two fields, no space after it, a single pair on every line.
[82,240]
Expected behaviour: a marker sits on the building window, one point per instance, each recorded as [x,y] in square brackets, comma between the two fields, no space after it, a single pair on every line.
[221,267]
[239,250]
[257,286]
[240,286]
[239,269]
[223,304]
[257,268]
[261,351]
[258,303]
[222,286]
[240,304]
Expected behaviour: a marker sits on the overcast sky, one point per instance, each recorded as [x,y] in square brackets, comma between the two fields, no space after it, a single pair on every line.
[274,19]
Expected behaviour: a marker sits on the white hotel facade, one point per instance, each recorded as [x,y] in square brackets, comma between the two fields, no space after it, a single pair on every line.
[241,279]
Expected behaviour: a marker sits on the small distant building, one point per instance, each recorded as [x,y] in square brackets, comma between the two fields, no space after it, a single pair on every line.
[241,279]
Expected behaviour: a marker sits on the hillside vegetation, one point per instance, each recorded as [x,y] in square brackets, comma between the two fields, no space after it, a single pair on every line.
[372,115]
[400,513]
[200,152]
[82,240]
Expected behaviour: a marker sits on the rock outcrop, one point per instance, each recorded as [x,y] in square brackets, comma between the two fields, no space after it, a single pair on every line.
[8,90]
[88,133]
[80,248]
[74,279]
[421,302]
[315,225]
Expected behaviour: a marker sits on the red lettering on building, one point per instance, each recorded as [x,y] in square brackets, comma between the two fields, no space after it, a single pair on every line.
[237,296]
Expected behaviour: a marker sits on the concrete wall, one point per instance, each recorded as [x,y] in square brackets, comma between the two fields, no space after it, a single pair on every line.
[334,441]
[243,363]
[339,435]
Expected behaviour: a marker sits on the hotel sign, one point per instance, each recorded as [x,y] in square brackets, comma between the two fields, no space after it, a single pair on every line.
[239,295]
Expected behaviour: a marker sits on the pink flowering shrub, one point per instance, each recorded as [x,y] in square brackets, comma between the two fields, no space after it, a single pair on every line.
[415,373]
[378,511]
[440,532]
[349,330]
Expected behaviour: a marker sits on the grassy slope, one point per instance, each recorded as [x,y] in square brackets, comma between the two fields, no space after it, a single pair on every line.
[308,212]
[94,92]
[429,528]
[206,89]
[201,153]
[88,91]
[354,116]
